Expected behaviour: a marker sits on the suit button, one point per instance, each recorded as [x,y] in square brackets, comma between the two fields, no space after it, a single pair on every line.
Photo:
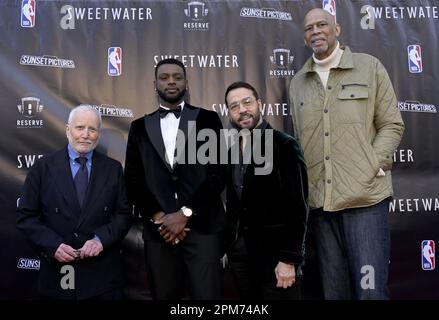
[352,95]
[76,235]
[329,87]
[327,157]
[301,103]
[328,181]
[325,111]
[326,134]
[174,178]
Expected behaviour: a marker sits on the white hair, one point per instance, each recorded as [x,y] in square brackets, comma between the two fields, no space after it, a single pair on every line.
[84,107]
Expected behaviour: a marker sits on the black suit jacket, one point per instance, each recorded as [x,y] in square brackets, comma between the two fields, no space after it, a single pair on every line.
[272,212]
[152,183]
[49,214]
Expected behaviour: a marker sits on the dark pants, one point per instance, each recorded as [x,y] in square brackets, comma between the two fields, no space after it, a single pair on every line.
[194,262]
[353,251]
[255,278]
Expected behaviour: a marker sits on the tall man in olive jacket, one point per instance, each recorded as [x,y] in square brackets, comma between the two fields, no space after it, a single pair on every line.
[346,118]
[266,202]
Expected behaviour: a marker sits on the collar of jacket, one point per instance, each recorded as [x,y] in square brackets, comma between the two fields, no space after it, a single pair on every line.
[264,125]
[346,61]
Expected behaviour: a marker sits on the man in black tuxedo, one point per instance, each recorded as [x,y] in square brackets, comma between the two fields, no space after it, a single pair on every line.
[266,202]
[177,195]
[74,210]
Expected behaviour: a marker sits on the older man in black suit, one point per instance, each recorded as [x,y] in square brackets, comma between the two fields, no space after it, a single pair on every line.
[74,210]
[266,202]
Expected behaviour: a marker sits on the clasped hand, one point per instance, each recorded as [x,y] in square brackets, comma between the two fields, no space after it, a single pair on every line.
[171,226]
[91,248]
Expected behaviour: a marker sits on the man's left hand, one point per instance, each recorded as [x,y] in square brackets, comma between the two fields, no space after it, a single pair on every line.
[285,275]
[171,226]
[91,248]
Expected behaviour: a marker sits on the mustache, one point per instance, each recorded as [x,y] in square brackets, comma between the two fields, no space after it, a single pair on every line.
[178,97]
[245,115]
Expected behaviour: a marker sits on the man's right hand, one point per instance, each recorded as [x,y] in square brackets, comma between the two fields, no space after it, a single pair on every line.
[175,237]
[65,253]
[157,216]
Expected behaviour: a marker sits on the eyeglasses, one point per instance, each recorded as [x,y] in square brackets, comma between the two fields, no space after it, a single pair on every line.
[246,103]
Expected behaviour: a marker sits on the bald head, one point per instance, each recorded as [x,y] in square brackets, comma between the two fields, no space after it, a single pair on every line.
[321,32]
[318,12]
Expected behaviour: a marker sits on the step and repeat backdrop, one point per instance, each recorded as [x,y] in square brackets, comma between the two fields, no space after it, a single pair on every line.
[55,55]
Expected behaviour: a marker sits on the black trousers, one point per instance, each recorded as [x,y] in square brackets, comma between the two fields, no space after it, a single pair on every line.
[255,276]
[192,266]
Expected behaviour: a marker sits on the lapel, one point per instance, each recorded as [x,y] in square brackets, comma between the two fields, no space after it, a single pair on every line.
[236,159]
[250,166]
[189,113]
[257,143]
[152,126]
[62,175]
[96,185]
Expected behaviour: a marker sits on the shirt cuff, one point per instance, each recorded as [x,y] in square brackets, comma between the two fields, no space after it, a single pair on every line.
[381,173]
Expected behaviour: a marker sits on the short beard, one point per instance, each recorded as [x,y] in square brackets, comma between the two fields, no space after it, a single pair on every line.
[256,119]
[163,96]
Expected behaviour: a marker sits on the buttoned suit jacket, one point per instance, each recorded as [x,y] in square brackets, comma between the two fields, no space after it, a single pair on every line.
[155,185]
[49,214]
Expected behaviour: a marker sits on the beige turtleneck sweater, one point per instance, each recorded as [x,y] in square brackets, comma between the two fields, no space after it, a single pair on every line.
[322,67]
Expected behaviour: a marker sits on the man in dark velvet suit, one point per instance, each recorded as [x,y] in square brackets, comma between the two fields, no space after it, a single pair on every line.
[74,210]
[177,195]
[267,209]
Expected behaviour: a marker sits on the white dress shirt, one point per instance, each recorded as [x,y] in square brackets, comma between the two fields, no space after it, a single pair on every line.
[169,127]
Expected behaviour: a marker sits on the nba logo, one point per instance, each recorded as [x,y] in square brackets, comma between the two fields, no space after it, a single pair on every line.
[329,5]
[415,58]
[428,255]
[28,8]
[114,61]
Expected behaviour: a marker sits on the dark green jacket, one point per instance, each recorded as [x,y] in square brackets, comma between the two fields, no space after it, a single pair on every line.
[272,212]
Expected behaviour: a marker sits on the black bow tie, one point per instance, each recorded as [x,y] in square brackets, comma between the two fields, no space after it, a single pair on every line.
[163,112]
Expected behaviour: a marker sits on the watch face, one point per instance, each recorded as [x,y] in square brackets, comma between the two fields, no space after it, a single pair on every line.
[187,212]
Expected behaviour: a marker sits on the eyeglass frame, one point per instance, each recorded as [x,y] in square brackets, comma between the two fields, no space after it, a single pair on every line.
[246,103]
